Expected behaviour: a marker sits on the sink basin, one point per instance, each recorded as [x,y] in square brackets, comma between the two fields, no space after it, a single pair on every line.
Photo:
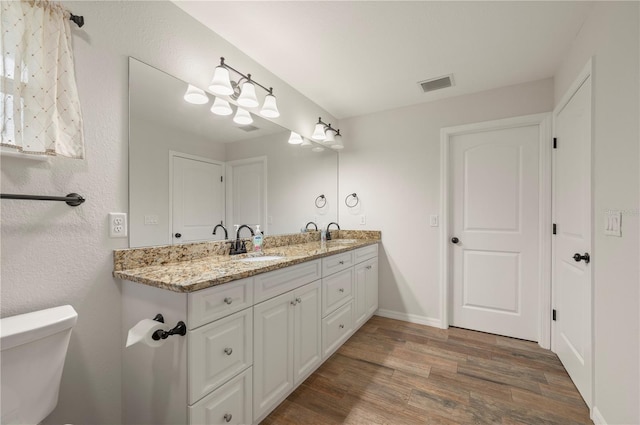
[261,258]
[342,241]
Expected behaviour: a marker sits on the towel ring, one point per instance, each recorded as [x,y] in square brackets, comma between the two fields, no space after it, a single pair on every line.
[321,201]
[352,204]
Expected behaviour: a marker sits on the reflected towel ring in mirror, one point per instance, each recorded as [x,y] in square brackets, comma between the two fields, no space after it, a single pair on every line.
[321,201]
[354,202]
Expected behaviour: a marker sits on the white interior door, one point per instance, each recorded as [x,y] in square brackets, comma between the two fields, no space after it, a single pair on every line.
[494,231]
[572,286]
[197,198]
[247,192]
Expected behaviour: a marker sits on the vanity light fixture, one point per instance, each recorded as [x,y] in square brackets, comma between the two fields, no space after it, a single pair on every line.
[328,135]
[196,96]
[295,139]
[221,107]
[244,90]
[242,117]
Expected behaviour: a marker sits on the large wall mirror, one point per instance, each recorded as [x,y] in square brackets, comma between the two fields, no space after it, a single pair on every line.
[190,169]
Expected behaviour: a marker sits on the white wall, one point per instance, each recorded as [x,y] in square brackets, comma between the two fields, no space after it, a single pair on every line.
[53,254]
[392,161]
[611,35]
[296,176]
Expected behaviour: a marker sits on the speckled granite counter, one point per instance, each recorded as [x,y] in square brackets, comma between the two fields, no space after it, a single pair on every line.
[191,267]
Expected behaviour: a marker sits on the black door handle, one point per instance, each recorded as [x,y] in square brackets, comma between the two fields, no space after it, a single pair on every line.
[584,257]
[455,240]
[178,235]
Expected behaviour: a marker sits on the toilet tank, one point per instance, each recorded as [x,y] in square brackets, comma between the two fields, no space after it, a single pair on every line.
[34,346]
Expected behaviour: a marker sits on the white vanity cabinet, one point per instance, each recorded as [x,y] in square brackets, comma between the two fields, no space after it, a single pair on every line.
[287,341]
[366,284]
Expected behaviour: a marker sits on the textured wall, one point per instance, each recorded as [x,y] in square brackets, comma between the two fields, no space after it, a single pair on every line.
[53,254]
[611,35]
[392,161]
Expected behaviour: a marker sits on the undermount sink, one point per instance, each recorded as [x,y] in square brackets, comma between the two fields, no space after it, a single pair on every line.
[261,258]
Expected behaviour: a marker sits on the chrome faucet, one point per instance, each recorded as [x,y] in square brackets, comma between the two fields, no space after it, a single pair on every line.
[307,226]
[328,232]
[237,246]
[215,229]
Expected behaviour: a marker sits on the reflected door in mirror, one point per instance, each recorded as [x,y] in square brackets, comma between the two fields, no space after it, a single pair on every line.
[197,198]
[247,192]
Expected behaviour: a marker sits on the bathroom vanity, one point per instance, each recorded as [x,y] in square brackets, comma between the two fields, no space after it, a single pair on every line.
[256,329]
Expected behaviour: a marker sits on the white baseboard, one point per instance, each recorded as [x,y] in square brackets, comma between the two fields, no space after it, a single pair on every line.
[411,318]
[597,417]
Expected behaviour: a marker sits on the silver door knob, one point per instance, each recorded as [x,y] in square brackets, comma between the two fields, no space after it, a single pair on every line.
[455,240]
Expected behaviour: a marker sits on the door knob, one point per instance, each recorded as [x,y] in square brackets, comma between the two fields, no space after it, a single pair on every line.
[584,257]
[178,235]
[455,240]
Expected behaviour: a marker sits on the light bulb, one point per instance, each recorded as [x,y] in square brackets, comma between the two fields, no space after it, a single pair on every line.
[220,83]
[295,139]
[242,117]
[221,107]
[318,133]
[269,107]
[247,96]
[196,96]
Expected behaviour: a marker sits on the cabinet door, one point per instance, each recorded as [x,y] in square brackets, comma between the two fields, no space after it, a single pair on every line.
[307,345]
[230,404]
[371,268]
[273,351]
[360,301]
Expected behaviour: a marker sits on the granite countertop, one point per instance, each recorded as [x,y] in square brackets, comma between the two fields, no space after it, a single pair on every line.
[197,274]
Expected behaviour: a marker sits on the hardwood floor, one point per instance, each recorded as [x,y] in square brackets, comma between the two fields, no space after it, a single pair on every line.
[394,372]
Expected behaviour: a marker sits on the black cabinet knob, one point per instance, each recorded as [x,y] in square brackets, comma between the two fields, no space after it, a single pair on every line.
[455,240]
[178,235]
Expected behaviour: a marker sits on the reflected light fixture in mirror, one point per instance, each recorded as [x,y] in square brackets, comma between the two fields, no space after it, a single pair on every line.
[242,117]
[328,135]
[318,133]
[337,144]
[196,96]
[221,107]
[330,139]
[295,139]
[222,85]
[306,143]
[317,149]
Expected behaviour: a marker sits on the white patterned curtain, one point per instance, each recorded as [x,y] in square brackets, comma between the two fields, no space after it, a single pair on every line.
[40,109]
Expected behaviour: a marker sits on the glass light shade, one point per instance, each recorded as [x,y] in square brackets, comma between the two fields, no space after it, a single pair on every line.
[220,83]
[242,117]
[318,133]
[330,139]
[338,144]
[269,107]
[295,139]
[247,96]
[196,96]
[306,143]
[221,107]
[317,149]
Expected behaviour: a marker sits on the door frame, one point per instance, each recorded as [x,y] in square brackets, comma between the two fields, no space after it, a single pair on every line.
[173,154]
[543,121]
[229,188]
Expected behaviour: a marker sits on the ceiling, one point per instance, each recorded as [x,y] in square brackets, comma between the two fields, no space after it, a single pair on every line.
[355,58]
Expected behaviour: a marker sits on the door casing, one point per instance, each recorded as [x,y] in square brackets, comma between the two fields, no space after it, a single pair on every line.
[543,121]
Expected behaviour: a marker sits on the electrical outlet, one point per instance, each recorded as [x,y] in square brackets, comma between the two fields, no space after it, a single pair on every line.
[433,220]
[118,225]
[363,220]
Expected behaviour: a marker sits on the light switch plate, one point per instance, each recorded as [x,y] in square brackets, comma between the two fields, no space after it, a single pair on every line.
[363,220]
[151,219]
[613,223]
[433,220]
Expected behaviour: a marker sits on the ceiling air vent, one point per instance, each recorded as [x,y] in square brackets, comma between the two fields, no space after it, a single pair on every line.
[437,83]
[248,128]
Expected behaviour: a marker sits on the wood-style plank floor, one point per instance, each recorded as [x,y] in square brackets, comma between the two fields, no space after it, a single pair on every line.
[394,372]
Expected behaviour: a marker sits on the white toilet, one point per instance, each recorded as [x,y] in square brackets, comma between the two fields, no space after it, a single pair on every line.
[34,346]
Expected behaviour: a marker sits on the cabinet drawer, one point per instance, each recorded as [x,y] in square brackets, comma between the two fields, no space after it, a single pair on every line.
[336,290]
[218,351]
[271,284]
[337,262]
[211,304]
[229,404]
[336,328]
[364,253]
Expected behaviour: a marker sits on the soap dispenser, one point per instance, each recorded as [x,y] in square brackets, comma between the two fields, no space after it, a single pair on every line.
[257,239]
